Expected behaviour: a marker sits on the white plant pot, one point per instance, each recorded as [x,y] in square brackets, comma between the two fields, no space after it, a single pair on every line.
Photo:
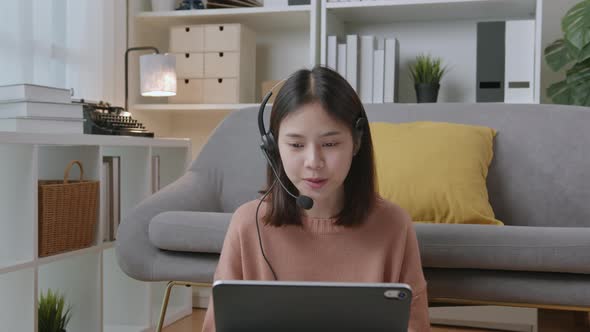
[163,5]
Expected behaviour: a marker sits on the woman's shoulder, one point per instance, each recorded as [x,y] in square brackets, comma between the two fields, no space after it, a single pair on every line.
[245,214]
[386,210]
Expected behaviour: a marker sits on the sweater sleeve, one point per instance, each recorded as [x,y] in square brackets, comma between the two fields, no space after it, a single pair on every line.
[229,266]
[411,274]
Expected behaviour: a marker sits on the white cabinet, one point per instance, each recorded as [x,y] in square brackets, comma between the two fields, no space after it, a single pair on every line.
[103,298]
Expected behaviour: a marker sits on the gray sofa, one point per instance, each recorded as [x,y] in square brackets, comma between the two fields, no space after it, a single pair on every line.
[539,186]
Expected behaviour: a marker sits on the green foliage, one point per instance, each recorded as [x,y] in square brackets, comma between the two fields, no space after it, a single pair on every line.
[573,49]
[53,314]
[427,70]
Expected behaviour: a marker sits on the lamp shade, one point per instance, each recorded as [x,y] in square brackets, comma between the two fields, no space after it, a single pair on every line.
[157,73]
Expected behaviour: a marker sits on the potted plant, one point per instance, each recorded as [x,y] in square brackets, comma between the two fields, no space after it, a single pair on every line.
[53,314]
[427,72]
[574,49]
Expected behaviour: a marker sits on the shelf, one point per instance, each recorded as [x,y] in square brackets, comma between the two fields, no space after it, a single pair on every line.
[78,279]
[84,139]
[17,304]
[184,108]
[172,164]
[257,18]
[17,202]
[69,254]
[135,177]
[384,11]
[126,301]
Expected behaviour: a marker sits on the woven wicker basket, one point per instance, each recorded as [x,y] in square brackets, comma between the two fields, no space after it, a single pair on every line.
[68,212]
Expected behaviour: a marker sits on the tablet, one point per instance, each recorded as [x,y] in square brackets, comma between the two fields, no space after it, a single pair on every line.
[246,306]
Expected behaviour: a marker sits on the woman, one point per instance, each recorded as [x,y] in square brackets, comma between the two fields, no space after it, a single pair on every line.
[323,150]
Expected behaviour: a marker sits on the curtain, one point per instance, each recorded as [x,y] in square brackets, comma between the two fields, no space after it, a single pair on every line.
[72,44]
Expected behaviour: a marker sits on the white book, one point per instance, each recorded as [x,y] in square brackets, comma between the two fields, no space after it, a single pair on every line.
[352,51]
[378,75]
[42,125]
[34,92]
[113,195]
[332,52]
[368,44]
[155,173]
[40,109]
[106,200]
[391,79]
[342,60]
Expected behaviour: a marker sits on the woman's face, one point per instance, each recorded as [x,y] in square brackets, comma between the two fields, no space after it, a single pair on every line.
[316,151]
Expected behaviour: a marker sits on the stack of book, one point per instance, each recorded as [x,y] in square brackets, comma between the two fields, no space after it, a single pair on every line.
[39,109]
[371,71]
[232,3]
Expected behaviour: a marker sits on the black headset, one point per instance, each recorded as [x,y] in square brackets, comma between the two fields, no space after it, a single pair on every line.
[269,144]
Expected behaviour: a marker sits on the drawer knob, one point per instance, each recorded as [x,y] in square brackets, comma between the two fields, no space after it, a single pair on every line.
[187,29]
[185,81]
[219,80]
[221,54]
[221,28]
[187,55]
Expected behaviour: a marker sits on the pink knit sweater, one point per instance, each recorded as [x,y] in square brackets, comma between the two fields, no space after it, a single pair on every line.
[383,249]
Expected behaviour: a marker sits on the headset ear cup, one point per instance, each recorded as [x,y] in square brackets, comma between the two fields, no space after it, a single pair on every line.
[269,143]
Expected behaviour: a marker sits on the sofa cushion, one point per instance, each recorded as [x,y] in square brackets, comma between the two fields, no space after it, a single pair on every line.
[435,170]
[189,231]
[517,248]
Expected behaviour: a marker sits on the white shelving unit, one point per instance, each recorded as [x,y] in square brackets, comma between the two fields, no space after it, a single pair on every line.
[444,28]
[102,296]
[287,39]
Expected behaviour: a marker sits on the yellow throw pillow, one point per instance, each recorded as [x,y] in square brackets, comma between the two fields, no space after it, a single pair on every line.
[434,170]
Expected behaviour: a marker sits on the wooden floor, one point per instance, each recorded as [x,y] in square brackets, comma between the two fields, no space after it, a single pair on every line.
[194,323]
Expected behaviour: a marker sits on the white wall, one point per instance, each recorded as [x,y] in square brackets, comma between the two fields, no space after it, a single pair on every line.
[553,12]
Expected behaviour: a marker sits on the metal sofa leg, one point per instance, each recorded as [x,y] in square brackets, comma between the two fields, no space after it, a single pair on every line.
[167,298]
[164,305]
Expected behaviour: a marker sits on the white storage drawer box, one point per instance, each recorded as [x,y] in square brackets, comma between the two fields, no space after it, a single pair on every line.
[222,64]
[219,61]
[187,38]
[223,37]
[220,91]
[189,65]
[188,91]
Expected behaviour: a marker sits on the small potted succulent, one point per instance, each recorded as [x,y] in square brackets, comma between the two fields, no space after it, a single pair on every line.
[427,72]
[54,316]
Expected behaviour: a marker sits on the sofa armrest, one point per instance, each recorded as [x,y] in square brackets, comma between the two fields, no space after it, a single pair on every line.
[189,231]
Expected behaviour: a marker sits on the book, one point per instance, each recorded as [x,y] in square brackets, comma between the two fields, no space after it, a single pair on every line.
[341,60]
[352,51]
[42,125]
[391,79]
[332,52]
[112,190]
[40,109]
[232,3]
[378,75]
[105,185]
[366,68]
[33,92]
[155,173]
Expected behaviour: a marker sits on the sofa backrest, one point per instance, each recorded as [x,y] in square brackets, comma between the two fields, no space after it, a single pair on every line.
[540,174]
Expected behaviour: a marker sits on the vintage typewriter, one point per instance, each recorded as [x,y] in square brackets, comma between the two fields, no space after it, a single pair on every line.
[103,119]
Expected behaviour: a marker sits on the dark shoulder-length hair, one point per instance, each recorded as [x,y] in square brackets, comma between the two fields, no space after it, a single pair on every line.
[326,87]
